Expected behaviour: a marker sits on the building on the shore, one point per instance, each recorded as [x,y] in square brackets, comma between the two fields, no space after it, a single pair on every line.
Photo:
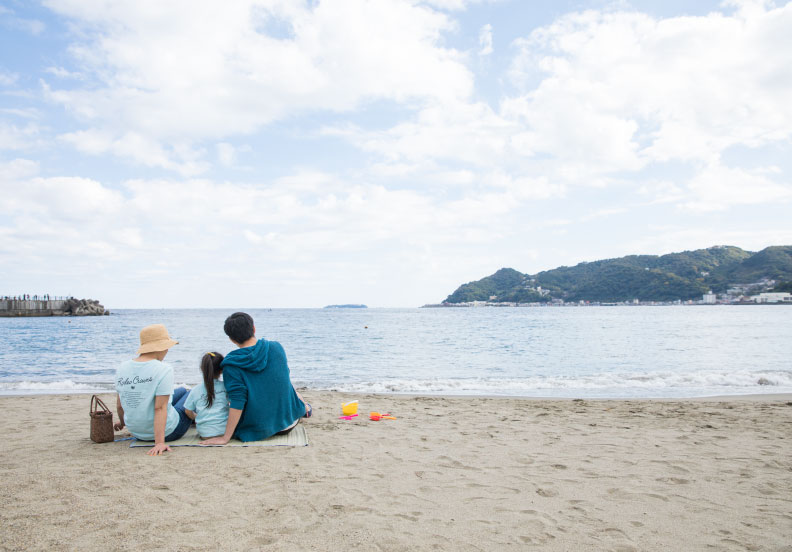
[774,297]
[748,289]
[709,298]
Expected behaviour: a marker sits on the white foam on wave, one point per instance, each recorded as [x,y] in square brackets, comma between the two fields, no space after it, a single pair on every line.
[614,385]
[656,384]
[44,387]
[63,386]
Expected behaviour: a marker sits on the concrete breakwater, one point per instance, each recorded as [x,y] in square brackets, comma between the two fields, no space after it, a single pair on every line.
[53,307]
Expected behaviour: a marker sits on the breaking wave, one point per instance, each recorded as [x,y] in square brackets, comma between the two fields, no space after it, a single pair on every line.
[45,387]
[59,387]
[603,385]
[614,385]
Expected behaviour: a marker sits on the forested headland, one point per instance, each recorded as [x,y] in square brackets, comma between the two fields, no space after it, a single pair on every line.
[675,276]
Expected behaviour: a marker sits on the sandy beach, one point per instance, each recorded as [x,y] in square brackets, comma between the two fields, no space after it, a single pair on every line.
[449,474]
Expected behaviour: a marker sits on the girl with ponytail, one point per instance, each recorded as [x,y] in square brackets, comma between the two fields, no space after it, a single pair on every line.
[208,403]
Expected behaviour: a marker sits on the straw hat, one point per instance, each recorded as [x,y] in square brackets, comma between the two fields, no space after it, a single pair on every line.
[155,338]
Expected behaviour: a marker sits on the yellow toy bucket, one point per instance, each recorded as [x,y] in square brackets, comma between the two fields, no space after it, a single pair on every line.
[350,408]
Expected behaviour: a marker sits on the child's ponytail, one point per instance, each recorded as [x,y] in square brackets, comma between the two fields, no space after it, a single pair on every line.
[211,369]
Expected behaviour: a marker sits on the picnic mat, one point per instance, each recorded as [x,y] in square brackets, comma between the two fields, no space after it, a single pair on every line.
[295,438]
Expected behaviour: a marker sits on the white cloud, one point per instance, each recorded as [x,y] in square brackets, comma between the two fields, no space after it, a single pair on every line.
[14,137]
[147,152]
[62,73]
[445,131]
[682,88]
[600,213]
[522,188]
[227,73]
[18,169]
[604,92]
[226,153]
[252,237]
[667,239]
[25,113]
[64,198]
[717,187]
[7,79]
[89,141]
[560,124]
[661,191]
[447,4]
[32,26]
[129,237]
[453,5]
[308,224]
[485,40]
[609,94]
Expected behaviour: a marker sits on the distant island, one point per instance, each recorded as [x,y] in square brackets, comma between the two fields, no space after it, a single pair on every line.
[346,307]
[720,274]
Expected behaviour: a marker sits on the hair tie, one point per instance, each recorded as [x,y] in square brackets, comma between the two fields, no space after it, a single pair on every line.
[210,354]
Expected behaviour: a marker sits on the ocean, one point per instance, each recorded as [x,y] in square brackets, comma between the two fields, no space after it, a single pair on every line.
[576,352]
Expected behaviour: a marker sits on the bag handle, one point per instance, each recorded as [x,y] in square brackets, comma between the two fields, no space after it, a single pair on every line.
[96,402]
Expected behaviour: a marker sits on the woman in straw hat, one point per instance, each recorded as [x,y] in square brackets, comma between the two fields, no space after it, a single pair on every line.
[145,388]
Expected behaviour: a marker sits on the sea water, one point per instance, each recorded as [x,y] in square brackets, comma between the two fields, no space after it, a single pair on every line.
[638,351]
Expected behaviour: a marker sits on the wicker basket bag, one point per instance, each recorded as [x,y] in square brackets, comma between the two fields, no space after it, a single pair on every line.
[101,422]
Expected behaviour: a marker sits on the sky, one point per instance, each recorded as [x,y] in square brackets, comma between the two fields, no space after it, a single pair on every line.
[289,153]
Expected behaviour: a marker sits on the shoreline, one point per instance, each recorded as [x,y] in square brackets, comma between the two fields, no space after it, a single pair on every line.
[451,473]
[756,397]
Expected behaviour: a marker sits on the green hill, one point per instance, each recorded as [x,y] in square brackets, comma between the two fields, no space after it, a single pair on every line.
[685,275]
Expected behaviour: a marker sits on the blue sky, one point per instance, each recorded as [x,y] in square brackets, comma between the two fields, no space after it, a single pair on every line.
[278,153]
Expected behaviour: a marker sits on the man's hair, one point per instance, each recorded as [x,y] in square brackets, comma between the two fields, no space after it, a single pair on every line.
[239,327]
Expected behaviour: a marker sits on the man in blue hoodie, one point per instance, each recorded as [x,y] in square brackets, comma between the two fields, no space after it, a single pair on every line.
[262,400]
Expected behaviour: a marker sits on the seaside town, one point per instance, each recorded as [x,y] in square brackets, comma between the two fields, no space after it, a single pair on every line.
[755,293]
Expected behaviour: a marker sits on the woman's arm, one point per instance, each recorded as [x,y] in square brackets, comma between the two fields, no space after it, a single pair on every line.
[119,425]
[160,419]
[190,413]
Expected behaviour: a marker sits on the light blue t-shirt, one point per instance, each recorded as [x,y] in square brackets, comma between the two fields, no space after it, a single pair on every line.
[137,384]
[210,421]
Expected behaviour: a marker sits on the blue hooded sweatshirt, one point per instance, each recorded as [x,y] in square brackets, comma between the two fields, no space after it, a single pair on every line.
[257,383]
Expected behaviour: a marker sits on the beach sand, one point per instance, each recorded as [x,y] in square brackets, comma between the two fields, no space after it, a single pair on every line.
[449,474]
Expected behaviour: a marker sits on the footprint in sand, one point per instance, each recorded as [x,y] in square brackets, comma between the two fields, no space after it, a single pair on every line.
[739,544]
[538,530]
[673,480]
